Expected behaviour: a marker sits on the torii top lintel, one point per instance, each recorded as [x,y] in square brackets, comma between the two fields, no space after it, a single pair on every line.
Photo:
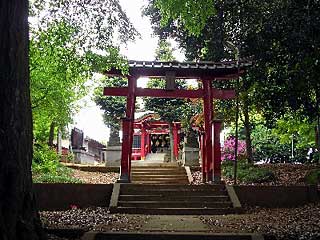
[192,70]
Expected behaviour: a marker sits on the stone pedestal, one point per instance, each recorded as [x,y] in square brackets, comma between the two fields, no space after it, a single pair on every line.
[190,156]
[113,156]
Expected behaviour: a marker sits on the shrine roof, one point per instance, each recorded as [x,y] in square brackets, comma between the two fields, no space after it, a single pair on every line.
[183,69]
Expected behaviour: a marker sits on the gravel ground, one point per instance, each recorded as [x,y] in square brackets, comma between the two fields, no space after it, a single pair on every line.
[95,177]
[54,237]
[284,223]
[301,223]
[92,219]
[286,174]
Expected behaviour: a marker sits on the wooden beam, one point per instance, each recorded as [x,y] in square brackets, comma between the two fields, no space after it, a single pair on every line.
[161,93]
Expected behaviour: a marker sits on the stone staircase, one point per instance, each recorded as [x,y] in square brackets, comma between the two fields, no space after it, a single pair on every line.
[159,174]
[156,157]
[173,199]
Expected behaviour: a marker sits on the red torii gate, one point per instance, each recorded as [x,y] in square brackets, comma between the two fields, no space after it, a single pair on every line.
[149,125]
[206,72]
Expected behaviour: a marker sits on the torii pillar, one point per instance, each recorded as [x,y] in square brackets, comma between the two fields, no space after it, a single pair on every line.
[127,132]
[207,143]
[176,141]
[216,151]
[143,143]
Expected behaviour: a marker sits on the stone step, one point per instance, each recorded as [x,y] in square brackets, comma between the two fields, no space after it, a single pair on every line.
[173,211]
[182,170]
[156,177]
[169,170]
[158,174]
[173,192]
[147,164]
[169,236]
[174,204]
[178,187]
[162,182]
[161,197]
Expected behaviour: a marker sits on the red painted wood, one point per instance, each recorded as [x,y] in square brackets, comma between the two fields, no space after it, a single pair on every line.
[223,93]
[217,151]
[203,157]
[128,129]
[148,142]
[208,116]
[179,93]
[124,170]
[131,103]
[115,91]
[143,143]
[175,141]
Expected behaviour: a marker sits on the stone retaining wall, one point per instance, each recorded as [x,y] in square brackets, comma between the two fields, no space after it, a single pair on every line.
[276,196]
[61,196]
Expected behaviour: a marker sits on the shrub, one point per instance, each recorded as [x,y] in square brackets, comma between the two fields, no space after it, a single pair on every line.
[47,168]
[229,146]
[313,177]
[53,178]
[246,172]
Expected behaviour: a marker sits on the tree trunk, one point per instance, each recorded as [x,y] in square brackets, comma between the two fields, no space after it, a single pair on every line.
[318,127]
[247,129]
[172,158]
[51,134]
[19,218]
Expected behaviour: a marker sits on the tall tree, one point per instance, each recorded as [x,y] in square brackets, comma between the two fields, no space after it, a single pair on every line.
[65,39]
[281,36]
[114,107]
[58,73]
[18,215]
[96,21]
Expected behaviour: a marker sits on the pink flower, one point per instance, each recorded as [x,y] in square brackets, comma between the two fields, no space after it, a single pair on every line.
[229,147]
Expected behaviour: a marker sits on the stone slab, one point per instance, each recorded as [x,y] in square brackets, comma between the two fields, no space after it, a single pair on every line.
[176,223]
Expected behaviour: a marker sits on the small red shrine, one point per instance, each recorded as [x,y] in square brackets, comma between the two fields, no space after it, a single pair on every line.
[152,135]
[206,72]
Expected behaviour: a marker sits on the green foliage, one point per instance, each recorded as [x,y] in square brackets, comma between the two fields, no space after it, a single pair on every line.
[313,177]
[164,51]
[47,168]
[114,107]
[192,13]
[295,126]
[57,75]
[169,109]
[65,37]
[55,178]
[70,157]
[247,173]
[282,37]
[96,21]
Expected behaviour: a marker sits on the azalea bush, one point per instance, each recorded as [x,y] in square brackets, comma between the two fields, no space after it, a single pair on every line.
[229,147]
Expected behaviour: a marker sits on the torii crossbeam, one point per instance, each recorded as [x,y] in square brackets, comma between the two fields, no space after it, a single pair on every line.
[206,72]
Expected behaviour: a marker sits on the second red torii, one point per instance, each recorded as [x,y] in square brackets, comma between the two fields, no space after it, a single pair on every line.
[206,72]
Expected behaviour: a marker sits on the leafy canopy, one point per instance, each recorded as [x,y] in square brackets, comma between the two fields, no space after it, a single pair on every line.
[193,14]
[57,75]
